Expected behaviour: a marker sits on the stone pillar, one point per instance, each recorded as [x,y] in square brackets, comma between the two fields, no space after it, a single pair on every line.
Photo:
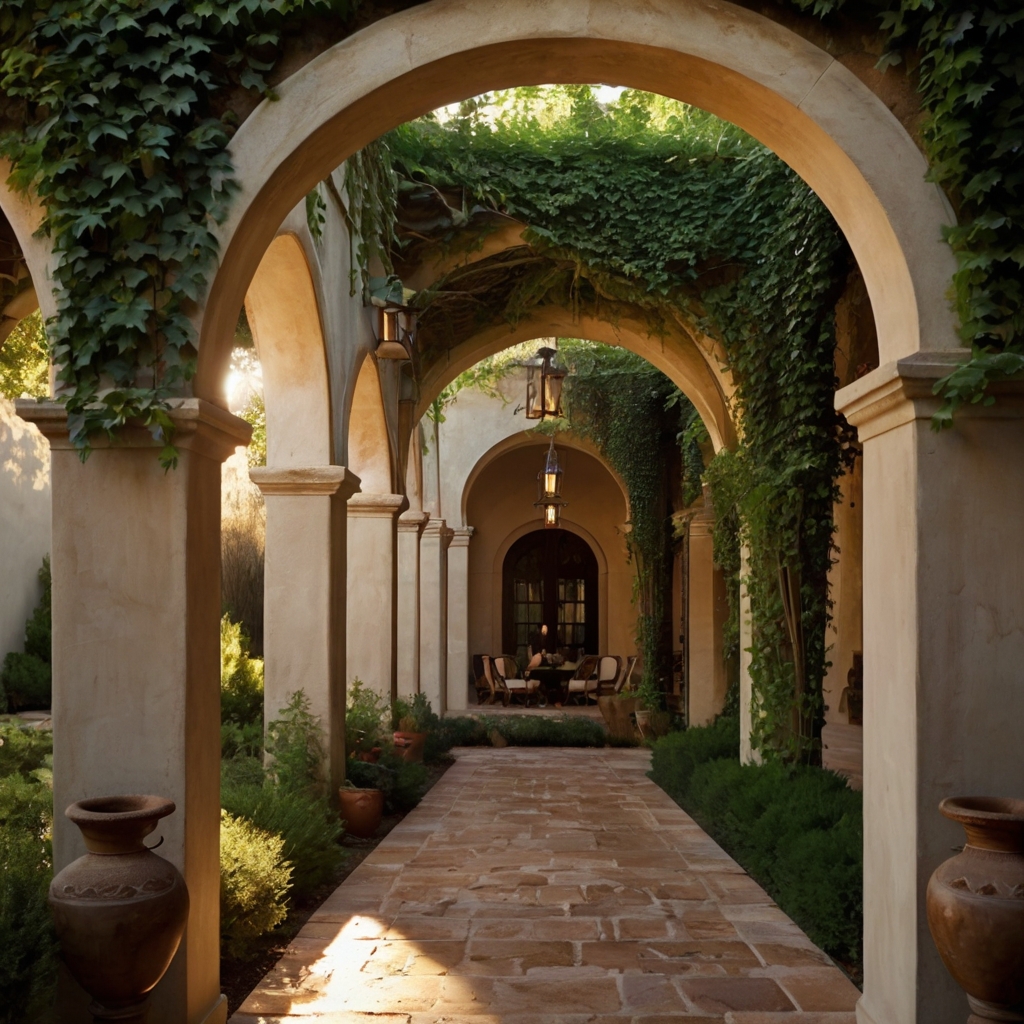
[943,646]
[434,613]
[136,661]
[304,597]
[458,618]
[410,526]
[705,620]
[372,583]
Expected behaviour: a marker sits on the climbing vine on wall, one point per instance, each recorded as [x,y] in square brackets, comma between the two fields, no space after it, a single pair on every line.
[119,131]
[653,208]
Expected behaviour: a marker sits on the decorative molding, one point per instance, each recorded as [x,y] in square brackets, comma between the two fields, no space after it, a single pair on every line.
[199,426]
[460,536]
[903,391]
[376,506]
[310,480]
[412,521]
[439,529]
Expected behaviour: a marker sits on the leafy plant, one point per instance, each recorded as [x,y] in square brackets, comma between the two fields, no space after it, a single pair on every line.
[254,883]
[24,363]
[241,693]
[402,784]
[295,744]
[416,713]
[366,713]
[25,678]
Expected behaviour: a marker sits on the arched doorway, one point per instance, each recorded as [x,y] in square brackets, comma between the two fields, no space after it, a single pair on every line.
[549,588]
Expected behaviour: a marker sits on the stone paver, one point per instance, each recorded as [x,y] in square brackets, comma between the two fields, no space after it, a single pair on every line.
[537,885]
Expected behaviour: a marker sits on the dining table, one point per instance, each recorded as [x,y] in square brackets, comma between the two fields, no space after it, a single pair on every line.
[554,680]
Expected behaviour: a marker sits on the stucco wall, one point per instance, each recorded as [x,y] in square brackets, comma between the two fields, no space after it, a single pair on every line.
[500,510]
[24,522]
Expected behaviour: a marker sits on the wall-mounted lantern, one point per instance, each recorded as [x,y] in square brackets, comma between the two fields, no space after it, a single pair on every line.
[549,489]
[544,381]
[394,327]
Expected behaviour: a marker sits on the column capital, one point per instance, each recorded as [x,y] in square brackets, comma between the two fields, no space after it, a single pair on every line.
[327,480]
[412,521]
[460,536]
[440,529]
[199,426]
[376,506]
[900,392]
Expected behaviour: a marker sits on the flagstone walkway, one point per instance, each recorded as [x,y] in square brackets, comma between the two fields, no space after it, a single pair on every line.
[539,885]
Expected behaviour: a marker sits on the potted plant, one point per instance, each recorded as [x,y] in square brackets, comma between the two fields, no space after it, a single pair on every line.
[361,809]
[364,723]
[413,720]
[648,701]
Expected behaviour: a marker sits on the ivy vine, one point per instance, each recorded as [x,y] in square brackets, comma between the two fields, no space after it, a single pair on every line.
[652,207]
[120,131]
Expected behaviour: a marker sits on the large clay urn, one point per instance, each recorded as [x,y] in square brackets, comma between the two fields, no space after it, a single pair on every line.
[976,907]
[120,910]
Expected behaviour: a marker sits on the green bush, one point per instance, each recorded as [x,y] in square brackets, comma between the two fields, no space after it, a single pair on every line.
[28,947]
[25,679]
[416,712]
[797,830]
[295,744]
[366,714]
[675,756]
[308,827]
[403,785]
[254,883]
[518,731]
[241,693]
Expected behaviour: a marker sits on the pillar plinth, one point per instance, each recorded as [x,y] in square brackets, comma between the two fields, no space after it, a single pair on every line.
[458,618]
[136,660]
[943,645]
[372,582]
[410,527]
[434,612]
[305,595]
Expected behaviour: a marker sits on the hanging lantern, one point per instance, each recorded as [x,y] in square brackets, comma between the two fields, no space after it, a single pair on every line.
[549,488]
[544,382]
[394,329]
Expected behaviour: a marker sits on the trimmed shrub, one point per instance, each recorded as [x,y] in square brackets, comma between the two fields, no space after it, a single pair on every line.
[517,731]
[254,883]
[23,750]
[307,826]
[367,716]
[797,830]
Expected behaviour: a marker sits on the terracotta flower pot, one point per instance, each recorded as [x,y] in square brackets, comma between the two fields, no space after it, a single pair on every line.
[120,910]
[976,906]
[410,745]
[361,810]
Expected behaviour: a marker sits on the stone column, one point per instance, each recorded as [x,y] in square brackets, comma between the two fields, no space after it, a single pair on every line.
[136,661]
[705,619]
[304,597]
[410,526]
[458,618]
[434,613]
[943,646]
[372,583]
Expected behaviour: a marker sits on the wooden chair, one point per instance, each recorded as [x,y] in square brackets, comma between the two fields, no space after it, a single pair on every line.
[626,673]
[609,667]
[584,681]
[495,682]
[508,669]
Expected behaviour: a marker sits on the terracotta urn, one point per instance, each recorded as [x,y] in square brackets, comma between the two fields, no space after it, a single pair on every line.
[361,810]
[976,906]
[410,745]
[120,910]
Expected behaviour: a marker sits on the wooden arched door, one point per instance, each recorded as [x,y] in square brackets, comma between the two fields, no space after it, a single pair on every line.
[549,577]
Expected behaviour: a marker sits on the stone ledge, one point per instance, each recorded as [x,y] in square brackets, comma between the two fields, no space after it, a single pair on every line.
[376,506]
[199,426]
[306,480]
